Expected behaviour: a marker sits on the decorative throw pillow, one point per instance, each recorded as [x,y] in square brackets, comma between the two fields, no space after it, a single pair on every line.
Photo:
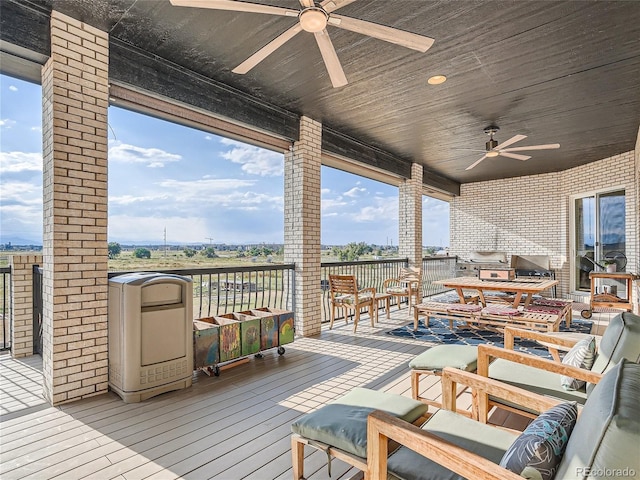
[582,355]
[537,452]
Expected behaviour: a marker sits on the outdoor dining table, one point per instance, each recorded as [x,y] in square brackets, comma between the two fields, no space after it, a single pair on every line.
[519,287]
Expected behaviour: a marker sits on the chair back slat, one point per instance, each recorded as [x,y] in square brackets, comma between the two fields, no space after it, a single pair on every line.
[344,284]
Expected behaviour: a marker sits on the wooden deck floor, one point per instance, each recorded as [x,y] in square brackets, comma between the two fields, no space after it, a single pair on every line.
[236,426]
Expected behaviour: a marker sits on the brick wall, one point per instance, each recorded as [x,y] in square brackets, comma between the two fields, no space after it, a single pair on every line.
[410,217]
[530,215]
[302,224]
[75,101]
[22,303]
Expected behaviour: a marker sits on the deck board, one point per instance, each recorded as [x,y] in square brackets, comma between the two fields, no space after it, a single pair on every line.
[236,426]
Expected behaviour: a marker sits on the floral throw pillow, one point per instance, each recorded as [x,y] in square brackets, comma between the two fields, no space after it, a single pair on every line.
[537,452]
[582,355]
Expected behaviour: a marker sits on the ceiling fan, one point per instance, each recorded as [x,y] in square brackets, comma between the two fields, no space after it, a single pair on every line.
[313,18]
[493,149]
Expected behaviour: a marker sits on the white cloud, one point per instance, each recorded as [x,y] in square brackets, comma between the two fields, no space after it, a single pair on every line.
[354,192]
[152,157]
[13,88]
[208,137]
[7,122]
[15,162]
[383,208]
[254,160]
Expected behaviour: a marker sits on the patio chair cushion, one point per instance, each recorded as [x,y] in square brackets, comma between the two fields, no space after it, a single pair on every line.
[350,299]
[398,290]
[463,307]
[582,355]
[501,310]
[605,438]
[534,380]
[463,357]
[537,452]
[343,423]
[621,339]
[482,439]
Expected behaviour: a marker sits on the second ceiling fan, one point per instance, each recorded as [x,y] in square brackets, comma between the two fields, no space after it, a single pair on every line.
[494,150]
[313,18]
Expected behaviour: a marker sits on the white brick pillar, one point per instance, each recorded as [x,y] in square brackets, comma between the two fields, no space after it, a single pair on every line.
[22,303]
[636,268]
[410,217]
[75,101]
[302,224]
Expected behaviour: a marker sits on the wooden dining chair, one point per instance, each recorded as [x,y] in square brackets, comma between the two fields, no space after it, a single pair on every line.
[346,295]
[407,284]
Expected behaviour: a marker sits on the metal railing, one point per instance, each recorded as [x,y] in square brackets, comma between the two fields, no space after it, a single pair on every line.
[373,273]
[5,306]
[234,289]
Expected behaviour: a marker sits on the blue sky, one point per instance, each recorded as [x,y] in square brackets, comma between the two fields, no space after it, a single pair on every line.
[195,184]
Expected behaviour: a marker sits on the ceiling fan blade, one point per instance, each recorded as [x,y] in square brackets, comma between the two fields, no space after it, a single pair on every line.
[267,50]
[382,32]
[330,57]
[333,5]
[236,6]
[512,140]
[476,162]
[549,146]
[306,3]
[515,155]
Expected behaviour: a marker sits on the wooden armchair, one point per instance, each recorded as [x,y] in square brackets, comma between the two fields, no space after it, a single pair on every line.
[346,295]
[472,458]
[621,340]
[407,284]
[601,436]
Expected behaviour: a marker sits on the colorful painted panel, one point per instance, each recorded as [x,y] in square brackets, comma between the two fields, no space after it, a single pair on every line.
[230,343]
[268,329]
[249,332]
[286,328]
[206,338]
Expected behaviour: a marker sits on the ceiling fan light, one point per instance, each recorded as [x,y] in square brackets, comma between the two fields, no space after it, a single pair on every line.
[313,19]
[493,153]
[436,80]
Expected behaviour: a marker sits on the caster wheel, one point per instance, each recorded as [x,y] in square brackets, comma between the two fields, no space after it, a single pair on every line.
[280,350]
[586,313]
[258,355]
[216,371]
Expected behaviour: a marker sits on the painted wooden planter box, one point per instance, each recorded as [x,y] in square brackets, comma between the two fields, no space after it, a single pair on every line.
[286,329]
[268,329]
[249,332]
[230,343]
[206,343]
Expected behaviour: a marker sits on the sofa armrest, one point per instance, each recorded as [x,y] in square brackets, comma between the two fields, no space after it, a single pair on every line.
[488,352]
[511,332]
[381,427]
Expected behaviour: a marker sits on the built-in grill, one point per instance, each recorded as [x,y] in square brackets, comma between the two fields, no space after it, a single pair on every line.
[533,266]
[481,260]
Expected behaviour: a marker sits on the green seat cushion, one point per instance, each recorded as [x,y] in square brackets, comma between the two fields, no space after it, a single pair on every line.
[484,440]
[534,380]
[463,357]
[606,437]
[343,423]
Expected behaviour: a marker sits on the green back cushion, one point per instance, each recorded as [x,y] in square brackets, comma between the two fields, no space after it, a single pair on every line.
[606,437]
[621,340]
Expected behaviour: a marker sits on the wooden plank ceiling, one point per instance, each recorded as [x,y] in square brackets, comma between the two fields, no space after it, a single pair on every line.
[563,72]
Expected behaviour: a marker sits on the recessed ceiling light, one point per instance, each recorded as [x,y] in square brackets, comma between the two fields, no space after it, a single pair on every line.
[437,80]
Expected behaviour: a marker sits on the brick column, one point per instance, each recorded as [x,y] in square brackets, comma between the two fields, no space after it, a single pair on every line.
[410,217]
[636,267]
[75,100]
[22,303]
[302,224]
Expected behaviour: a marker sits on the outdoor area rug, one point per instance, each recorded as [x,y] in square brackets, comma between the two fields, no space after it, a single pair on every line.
[438,332]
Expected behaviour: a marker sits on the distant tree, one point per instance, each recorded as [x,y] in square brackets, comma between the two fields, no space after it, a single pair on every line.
[142,253]
[189,252]
[210,252]
[240,254]
[114,249]
[254,252]
[266,251]
[351,252]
